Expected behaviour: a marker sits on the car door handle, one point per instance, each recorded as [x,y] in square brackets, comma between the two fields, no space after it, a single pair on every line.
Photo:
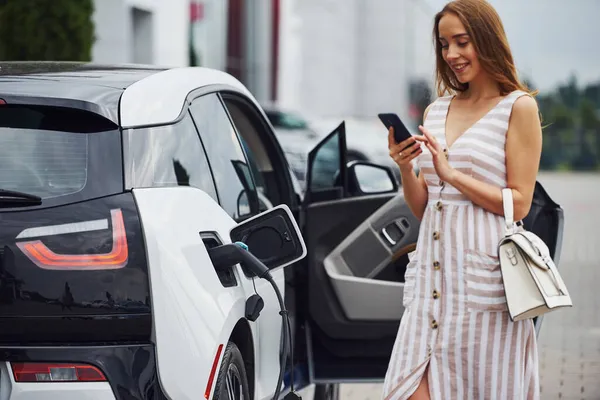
[387,236]
[394,231]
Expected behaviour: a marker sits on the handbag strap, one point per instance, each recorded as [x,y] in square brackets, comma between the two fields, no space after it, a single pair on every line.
[509,215]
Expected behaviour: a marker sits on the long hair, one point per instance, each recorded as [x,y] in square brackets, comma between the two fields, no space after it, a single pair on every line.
[487,34]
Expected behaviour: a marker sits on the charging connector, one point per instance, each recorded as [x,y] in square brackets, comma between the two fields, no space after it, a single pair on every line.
[225,256]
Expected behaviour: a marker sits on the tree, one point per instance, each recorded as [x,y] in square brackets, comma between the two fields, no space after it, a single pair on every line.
[569,92]
[46,30]
[590,124]
[587,112]
[592,93]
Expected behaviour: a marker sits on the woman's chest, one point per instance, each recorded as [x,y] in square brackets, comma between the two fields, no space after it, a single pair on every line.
[478,153]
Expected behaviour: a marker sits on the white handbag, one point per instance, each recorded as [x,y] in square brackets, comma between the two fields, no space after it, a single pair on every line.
[532,284]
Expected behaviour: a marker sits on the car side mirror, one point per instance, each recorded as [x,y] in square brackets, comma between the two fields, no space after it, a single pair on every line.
[273,237]
[365,178]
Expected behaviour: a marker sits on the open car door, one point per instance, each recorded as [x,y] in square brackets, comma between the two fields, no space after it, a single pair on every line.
[359,234]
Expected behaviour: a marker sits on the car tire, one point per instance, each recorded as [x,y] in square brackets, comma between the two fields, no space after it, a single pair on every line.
[232,381]
[327,392]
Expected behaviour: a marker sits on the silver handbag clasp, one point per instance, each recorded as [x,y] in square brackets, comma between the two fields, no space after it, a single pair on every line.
[512,256]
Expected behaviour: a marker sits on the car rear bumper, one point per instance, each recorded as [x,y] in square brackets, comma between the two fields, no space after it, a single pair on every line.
[130,371]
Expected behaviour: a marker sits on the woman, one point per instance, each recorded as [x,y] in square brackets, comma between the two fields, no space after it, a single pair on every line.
[456,339]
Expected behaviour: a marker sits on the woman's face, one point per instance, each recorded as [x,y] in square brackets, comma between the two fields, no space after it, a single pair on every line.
[457,49]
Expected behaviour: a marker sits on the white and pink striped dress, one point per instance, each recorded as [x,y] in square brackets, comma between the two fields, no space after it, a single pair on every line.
[456,320]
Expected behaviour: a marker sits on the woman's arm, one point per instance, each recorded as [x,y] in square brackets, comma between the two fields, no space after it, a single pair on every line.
[523,153]
[413,186]
[415,191]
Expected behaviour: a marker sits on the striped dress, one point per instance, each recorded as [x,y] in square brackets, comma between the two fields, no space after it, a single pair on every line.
[456,324]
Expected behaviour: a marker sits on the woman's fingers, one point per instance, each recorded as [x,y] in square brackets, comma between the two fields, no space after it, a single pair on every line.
[402,146]
[408,154]
[414,154]
[406,150]
[413,147]
[431,148]
[430,139]
[391,141]
[406,142]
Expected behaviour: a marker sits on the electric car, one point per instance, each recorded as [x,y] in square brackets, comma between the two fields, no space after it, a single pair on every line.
[155,243]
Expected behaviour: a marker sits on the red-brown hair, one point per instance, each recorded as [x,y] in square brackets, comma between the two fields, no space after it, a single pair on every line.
[486,32]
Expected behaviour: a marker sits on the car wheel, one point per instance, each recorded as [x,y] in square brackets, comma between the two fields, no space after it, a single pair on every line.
[327,392]
[232,382]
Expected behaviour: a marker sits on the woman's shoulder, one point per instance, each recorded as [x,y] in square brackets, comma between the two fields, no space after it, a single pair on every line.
[523,104]
[525,117]
[438,102]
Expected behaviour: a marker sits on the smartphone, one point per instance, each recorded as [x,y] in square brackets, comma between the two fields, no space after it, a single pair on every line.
[400,131]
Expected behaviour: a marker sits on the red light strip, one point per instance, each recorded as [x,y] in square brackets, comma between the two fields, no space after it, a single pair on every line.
[45,258]
[213,371]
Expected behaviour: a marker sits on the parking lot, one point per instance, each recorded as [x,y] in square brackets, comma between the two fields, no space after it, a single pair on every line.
[569,341]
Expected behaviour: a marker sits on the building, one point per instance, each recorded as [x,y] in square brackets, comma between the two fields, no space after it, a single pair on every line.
[332,58]
[240,37]
[353,58]
[142,31]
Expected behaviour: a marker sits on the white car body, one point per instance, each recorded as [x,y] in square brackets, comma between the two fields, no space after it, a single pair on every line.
[188,335]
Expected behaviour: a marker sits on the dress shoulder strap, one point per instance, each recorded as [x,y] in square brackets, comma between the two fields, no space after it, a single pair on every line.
[510,99]
[503,110]
[438,108]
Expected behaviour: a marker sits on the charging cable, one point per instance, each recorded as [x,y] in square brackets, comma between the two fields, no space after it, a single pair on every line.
[227,255]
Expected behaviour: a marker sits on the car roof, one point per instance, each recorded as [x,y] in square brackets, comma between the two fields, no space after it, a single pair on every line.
[159,99]
[128,94]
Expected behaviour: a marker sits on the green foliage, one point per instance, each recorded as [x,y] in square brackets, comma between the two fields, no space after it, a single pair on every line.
[563,117]
[46,30]
[571,127]
[588,116]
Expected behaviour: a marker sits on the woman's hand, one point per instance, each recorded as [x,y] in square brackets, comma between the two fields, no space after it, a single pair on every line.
[440,162]
[405,152]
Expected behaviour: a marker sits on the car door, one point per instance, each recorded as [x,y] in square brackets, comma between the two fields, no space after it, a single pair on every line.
[359,243]
[240,196]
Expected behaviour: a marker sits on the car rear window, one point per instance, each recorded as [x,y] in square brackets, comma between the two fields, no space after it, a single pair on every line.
[46,164]
[52,152]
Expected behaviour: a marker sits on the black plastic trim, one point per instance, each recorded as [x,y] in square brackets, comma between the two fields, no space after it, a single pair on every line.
[130,370]
[104,111]
[226,276]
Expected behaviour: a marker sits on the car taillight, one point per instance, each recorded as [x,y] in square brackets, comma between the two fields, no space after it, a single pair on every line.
[45,258]
[56,372]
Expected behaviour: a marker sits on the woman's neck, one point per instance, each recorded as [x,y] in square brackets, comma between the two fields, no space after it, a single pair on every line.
[481,88]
